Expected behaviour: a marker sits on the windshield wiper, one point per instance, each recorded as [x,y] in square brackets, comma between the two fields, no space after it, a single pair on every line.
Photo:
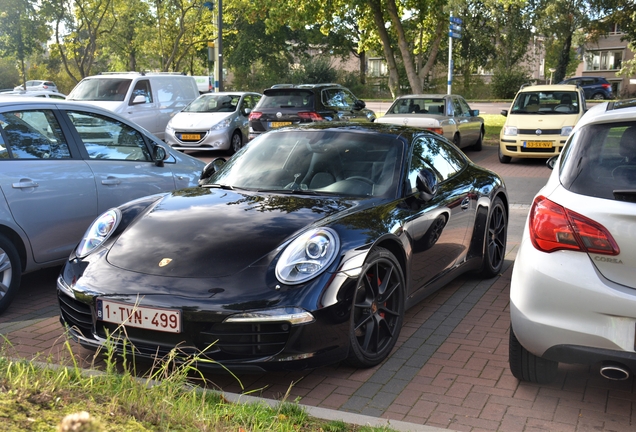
[292,191]
[218,185]
[625,195]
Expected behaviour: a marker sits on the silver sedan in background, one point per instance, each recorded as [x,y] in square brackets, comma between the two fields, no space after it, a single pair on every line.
[213,121]
[447,115]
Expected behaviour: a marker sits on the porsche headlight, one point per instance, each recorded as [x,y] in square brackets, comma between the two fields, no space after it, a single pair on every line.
[510,131]
[98,232]
[307,256]
[223,124]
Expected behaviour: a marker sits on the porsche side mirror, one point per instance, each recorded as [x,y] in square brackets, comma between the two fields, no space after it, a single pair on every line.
[210,169]
[159,155]
[426,184]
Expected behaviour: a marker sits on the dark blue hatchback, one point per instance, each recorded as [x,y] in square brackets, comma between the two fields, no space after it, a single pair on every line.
[594,87]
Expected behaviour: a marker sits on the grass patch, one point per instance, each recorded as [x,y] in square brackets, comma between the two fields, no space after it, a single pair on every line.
[493,124]
[172,396]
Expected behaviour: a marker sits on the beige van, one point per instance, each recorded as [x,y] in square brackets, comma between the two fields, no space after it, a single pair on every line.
[148,99]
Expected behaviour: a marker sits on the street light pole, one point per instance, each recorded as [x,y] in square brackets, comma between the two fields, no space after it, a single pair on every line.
[220,46]
[552,71]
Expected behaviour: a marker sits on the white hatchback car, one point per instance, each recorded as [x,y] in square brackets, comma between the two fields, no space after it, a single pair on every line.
[573,288]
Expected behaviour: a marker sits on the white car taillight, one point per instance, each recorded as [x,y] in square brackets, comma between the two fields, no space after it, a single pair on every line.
[554,227]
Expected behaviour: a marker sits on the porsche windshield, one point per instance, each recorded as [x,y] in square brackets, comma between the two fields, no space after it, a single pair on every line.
[327,162]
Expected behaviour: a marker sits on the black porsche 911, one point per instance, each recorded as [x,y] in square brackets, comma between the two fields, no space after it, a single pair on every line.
[303,249]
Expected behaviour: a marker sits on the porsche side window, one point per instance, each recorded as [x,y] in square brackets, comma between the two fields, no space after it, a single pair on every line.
[443,158]
[106,138]
[33,134]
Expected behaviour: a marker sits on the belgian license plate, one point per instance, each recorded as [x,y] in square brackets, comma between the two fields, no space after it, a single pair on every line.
[279,124]
[130,315]
[191,137]
[537,144]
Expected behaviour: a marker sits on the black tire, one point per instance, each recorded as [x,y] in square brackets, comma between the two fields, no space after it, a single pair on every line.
[457,140]
[377,310]
[503,158]
[526,366]
[496,238]
[236,143]
[10,272]
[598,96]
[480,141]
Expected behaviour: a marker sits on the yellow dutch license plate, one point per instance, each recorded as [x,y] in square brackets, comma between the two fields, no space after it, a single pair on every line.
[191,137]
[129,315]
[538,144]
[279,124]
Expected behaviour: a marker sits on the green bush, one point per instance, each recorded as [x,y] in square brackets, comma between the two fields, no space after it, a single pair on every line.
[506,82]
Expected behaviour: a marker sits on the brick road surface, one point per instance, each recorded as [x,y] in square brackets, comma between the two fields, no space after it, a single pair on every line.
[449,368]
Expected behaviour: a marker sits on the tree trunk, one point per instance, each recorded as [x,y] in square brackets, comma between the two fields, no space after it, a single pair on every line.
[394,77]
[564,59]
[403,45]
[362,64]
[432,56]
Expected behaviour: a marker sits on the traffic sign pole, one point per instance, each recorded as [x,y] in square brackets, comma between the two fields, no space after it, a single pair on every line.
[454,32]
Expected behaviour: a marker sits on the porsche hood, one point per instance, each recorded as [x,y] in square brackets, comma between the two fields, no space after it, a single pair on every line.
[201,232]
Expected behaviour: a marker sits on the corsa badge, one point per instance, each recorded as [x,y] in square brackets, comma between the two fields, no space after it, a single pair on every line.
[164,262]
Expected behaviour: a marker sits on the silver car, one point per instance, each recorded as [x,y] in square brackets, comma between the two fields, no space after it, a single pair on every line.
[447,115]
[61,165]
[213,121]
[33,85]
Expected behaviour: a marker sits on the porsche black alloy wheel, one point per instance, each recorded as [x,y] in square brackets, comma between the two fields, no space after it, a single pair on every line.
[525,366]
[377,311]
[10,272]
[496,236]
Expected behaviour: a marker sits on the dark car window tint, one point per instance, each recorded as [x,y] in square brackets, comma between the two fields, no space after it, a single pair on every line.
[432,153]
[354,164]
[600,159]
[106,138]
[465,107]
[287,99]
[34,134]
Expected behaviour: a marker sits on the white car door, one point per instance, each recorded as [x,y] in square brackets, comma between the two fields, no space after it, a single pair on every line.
[49,191]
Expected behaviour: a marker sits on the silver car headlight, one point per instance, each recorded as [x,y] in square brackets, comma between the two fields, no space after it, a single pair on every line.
[98,232]
[223,124]
[566,130]
[307,256]
[510,131]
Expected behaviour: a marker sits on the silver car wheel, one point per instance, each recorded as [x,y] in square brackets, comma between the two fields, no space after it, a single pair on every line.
[10,273]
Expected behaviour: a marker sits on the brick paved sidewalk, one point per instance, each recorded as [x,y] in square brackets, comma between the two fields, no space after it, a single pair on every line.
[448,370]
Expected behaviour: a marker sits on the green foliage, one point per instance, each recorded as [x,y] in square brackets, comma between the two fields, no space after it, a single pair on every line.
[314,70]
[9,76]
[171,396]
[506,82]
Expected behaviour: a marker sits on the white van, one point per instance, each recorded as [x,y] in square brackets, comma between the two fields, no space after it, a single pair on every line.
[148,99]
